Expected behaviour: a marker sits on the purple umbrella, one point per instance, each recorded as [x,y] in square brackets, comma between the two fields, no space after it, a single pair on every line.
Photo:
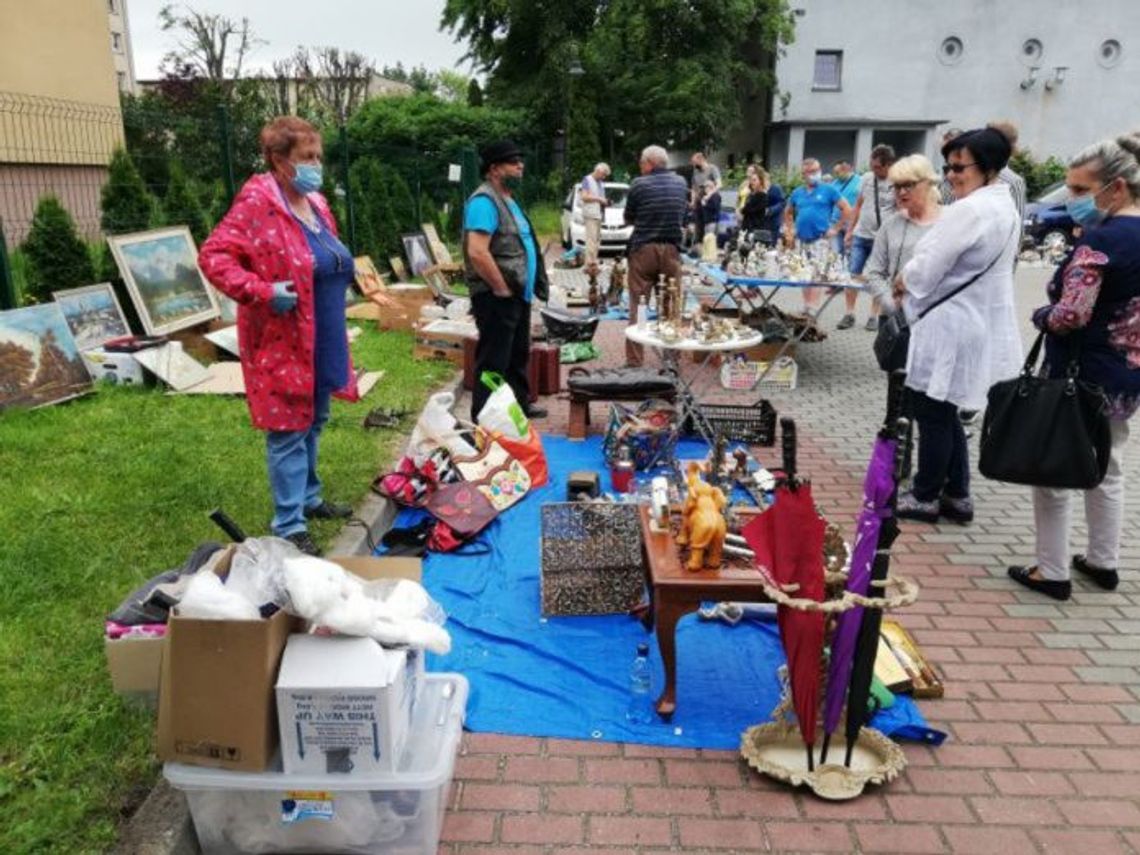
[878,485]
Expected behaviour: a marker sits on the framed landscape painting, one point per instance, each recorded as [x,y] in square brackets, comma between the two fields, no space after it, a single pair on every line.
[39,360]
[160,268]
[93,314]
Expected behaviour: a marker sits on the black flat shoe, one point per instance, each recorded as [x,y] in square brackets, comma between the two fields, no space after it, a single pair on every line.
[535,413]
[1049,587]
[328,511]
[1101,576]
[304,542]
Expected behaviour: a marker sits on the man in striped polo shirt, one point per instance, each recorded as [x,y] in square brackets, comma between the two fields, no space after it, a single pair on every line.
[656,208]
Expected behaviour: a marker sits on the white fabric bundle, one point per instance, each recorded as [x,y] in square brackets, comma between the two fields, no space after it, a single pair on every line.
[390,611]
[206,598]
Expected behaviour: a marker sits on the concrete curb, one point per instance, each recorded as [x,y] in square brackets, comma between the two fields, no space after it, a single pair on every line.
[162,825]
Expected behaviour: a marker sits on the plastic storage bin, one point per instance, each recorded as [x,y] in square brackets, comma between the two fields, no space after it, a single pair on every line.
[396,813]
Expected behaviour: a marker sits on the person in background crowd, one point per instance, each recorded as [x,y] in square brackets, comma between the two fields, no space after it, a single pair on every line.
[655,207]
[777,202]
[944,188]
[743,190]
[708,211]
[1008,177]
[808,216]
[754,213]
[703,172]
[277,254]
[847,183]
[876,203]
[504,273]
[918,207]
[592,192]
[1094,298]
[970,341]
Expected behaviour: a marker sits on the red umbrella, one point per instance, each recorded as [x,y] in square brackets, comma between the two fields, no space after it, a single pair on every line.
[788,542]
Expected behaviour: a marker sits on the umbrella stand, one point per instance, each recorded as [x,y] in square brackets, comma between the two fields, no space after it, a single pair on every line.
[867,646]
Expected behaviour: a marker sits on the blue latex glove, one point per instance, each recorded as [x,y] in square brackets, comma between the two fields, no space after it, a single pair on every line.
[284,298]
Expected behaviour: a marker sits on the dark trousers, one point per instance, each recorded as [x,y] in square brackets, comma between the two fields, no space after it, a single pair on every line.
[504,345]
[646,263]
[943,456]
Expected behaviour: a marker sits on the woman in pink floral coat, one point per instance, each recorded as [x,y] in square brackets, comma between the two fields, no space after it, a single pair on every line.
[276,252]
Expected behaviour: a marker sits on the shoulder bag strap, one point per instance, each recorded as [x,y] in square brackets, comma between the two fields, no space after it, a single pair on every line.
[969,281]
[902,245]
[878,213]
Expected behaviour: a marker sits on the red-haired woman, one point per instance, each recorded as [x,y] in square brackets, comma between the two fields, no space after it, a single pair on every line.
[276,252]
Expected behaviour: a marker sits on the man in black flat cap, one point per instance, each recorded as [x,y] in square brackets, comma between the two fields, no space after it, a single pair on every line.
[504,272]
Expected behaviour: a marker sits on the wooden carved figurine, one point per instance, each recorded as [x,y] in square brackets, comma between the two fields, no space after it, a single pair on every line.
[617,282]
[703,526]
[594,297]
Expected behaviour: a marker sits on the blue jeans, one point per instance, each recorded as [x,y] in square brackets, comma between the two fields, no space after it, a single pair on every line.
[860,252]
[292,460]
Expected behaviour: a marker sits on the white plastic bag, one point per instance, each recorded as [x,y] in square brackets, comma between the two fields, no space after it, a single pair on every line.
[502,413]
[437,426]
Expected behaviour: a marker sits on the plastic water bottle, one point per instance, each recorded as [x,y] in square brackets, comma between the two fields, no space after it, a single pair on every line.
[640,704]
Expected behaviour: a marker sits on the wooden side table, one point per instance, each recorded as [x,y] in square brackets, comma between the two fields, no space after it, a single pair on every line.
[675,592]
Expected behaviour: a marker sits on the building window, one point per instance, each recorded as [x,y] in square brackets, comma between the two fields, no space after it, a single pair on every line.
[1032,51]
[117,42]
[1109,53]
[121,76]
[112,6]
[828,70]
[950,51]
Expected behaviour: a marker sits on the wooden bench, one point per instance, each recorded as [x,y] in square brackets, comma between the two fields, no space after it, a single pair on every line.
[580,399]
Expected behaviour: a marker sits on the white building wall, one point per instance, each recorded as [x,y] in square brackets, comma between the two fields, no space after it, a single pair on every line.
[121,51]
[892,69]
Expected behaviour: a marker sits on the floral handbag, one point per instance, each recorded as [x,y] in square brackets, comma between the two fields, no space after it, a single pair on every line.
[501,478]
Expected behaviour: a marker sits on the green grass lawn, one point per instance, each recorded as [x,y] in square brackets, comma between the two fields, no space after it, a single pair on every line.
[546,217]
[99,494]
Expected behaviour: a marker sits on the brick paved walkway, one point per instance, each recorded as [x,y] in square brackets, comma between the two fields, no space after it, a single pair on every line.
[1042,699]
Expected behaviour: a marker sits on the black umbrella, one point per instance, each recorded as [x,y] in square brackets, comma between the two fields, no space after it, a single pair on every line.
[867,645]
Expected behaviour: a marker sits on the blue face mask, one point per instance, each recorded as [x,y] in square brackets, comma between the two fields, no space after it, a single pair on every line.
[307,178]
[1084,211]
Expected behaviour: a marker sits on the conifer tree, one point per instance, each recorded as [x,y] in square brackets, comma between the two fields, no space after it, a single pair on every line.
[126,204]
[57,255]
[180,206]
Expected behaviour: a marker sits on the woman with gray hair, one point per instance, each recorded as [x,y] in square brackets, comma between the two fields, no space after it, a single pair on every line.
[918,207]
[1093,316]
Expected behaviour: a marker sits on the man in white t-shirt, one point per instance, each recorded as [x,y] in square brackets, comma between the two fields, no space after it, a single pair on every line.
[593,196]
[876,203]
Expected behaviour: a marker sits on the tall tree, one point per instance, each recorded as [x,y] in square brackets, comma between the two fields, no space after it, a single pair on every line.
[335,81]
[214,46]
[474,94]
[667,71]
[126,204]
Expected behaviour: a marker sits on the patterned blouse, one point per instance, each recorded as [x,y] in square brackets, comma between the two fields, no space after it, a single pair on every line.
[1094,306]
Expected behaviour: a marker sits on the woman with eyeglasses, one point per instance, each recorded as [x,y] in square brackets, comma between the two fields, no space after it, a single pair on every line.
[1094,307]
[917,209]
[277,254]
[957,293]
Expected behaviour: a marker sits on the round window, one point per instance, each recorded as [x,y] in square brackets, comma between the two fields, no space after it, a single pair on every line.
[1031,51]
[950,51]
[1108,54]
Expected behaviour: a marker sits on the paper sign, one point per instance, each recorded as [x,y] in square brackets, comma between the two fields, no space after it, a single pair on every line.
[454,173]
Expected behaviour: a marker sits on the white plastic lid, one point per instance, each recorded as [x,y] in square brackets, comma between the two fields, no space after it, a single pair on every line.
[428,760]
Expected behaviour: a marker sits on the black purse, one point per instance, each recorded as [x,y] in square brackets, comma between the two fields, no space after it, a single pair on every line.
[892,341]
[1046,432]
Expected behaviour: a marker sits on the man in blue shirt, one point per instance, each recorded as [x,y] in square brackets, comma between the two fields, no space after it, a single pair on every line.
[808,216]
[504,274]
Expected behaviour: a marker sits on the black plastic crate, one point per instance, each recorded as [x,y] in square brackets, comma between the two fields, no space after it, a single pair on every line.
[755,424]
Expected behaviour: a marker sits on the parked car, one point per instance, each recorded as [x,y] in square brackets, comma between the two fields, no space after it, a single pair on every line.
[1047,222]
[615,233]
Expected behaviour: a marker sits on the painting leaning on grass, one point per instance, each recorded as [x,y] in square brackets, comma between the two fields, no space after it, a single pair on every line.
[160,268]
[93,314]
[39,360]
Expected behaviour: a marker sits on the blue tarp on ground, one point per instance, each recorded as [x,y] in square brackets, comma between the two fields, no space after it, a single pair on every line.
[569,677]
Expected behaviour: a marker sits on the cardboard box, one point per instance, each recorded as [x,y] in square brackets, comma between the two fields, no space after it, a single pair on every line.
[217,705]
[116,367]
[134,665]
[405,315]
[343,705]
[443,339]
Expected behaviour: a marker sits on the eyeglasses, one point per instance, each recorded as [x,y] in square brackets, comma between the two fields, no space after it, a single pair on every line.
[905,186]
[956,168]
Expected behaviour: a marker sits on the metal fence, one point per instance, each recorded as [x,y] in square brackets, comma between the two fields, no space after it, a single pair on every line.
[194,154]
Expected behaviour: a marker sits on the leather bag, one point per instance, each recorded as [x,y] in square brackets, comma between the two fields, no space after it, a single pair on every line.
[1046,432]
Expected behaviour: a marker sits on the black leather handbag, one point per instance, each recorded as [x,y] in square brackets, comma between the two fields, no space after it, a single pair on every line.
[1046,432]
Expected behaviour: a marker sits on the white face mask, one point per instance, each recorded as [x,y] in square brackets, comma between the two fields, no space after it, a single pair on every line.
[812,178]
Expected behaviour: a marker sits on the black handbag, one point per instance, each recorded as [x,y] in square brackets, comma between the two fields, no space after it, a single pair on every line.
[892,341]
[1046,432]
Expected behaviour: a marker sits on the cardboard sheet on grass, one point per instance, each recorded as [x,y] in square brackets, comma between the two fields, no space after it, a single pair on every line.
[569,677]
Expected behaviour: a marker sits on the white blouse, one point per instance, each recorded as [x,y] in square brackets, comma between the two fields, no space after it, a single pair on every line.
[971,341]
